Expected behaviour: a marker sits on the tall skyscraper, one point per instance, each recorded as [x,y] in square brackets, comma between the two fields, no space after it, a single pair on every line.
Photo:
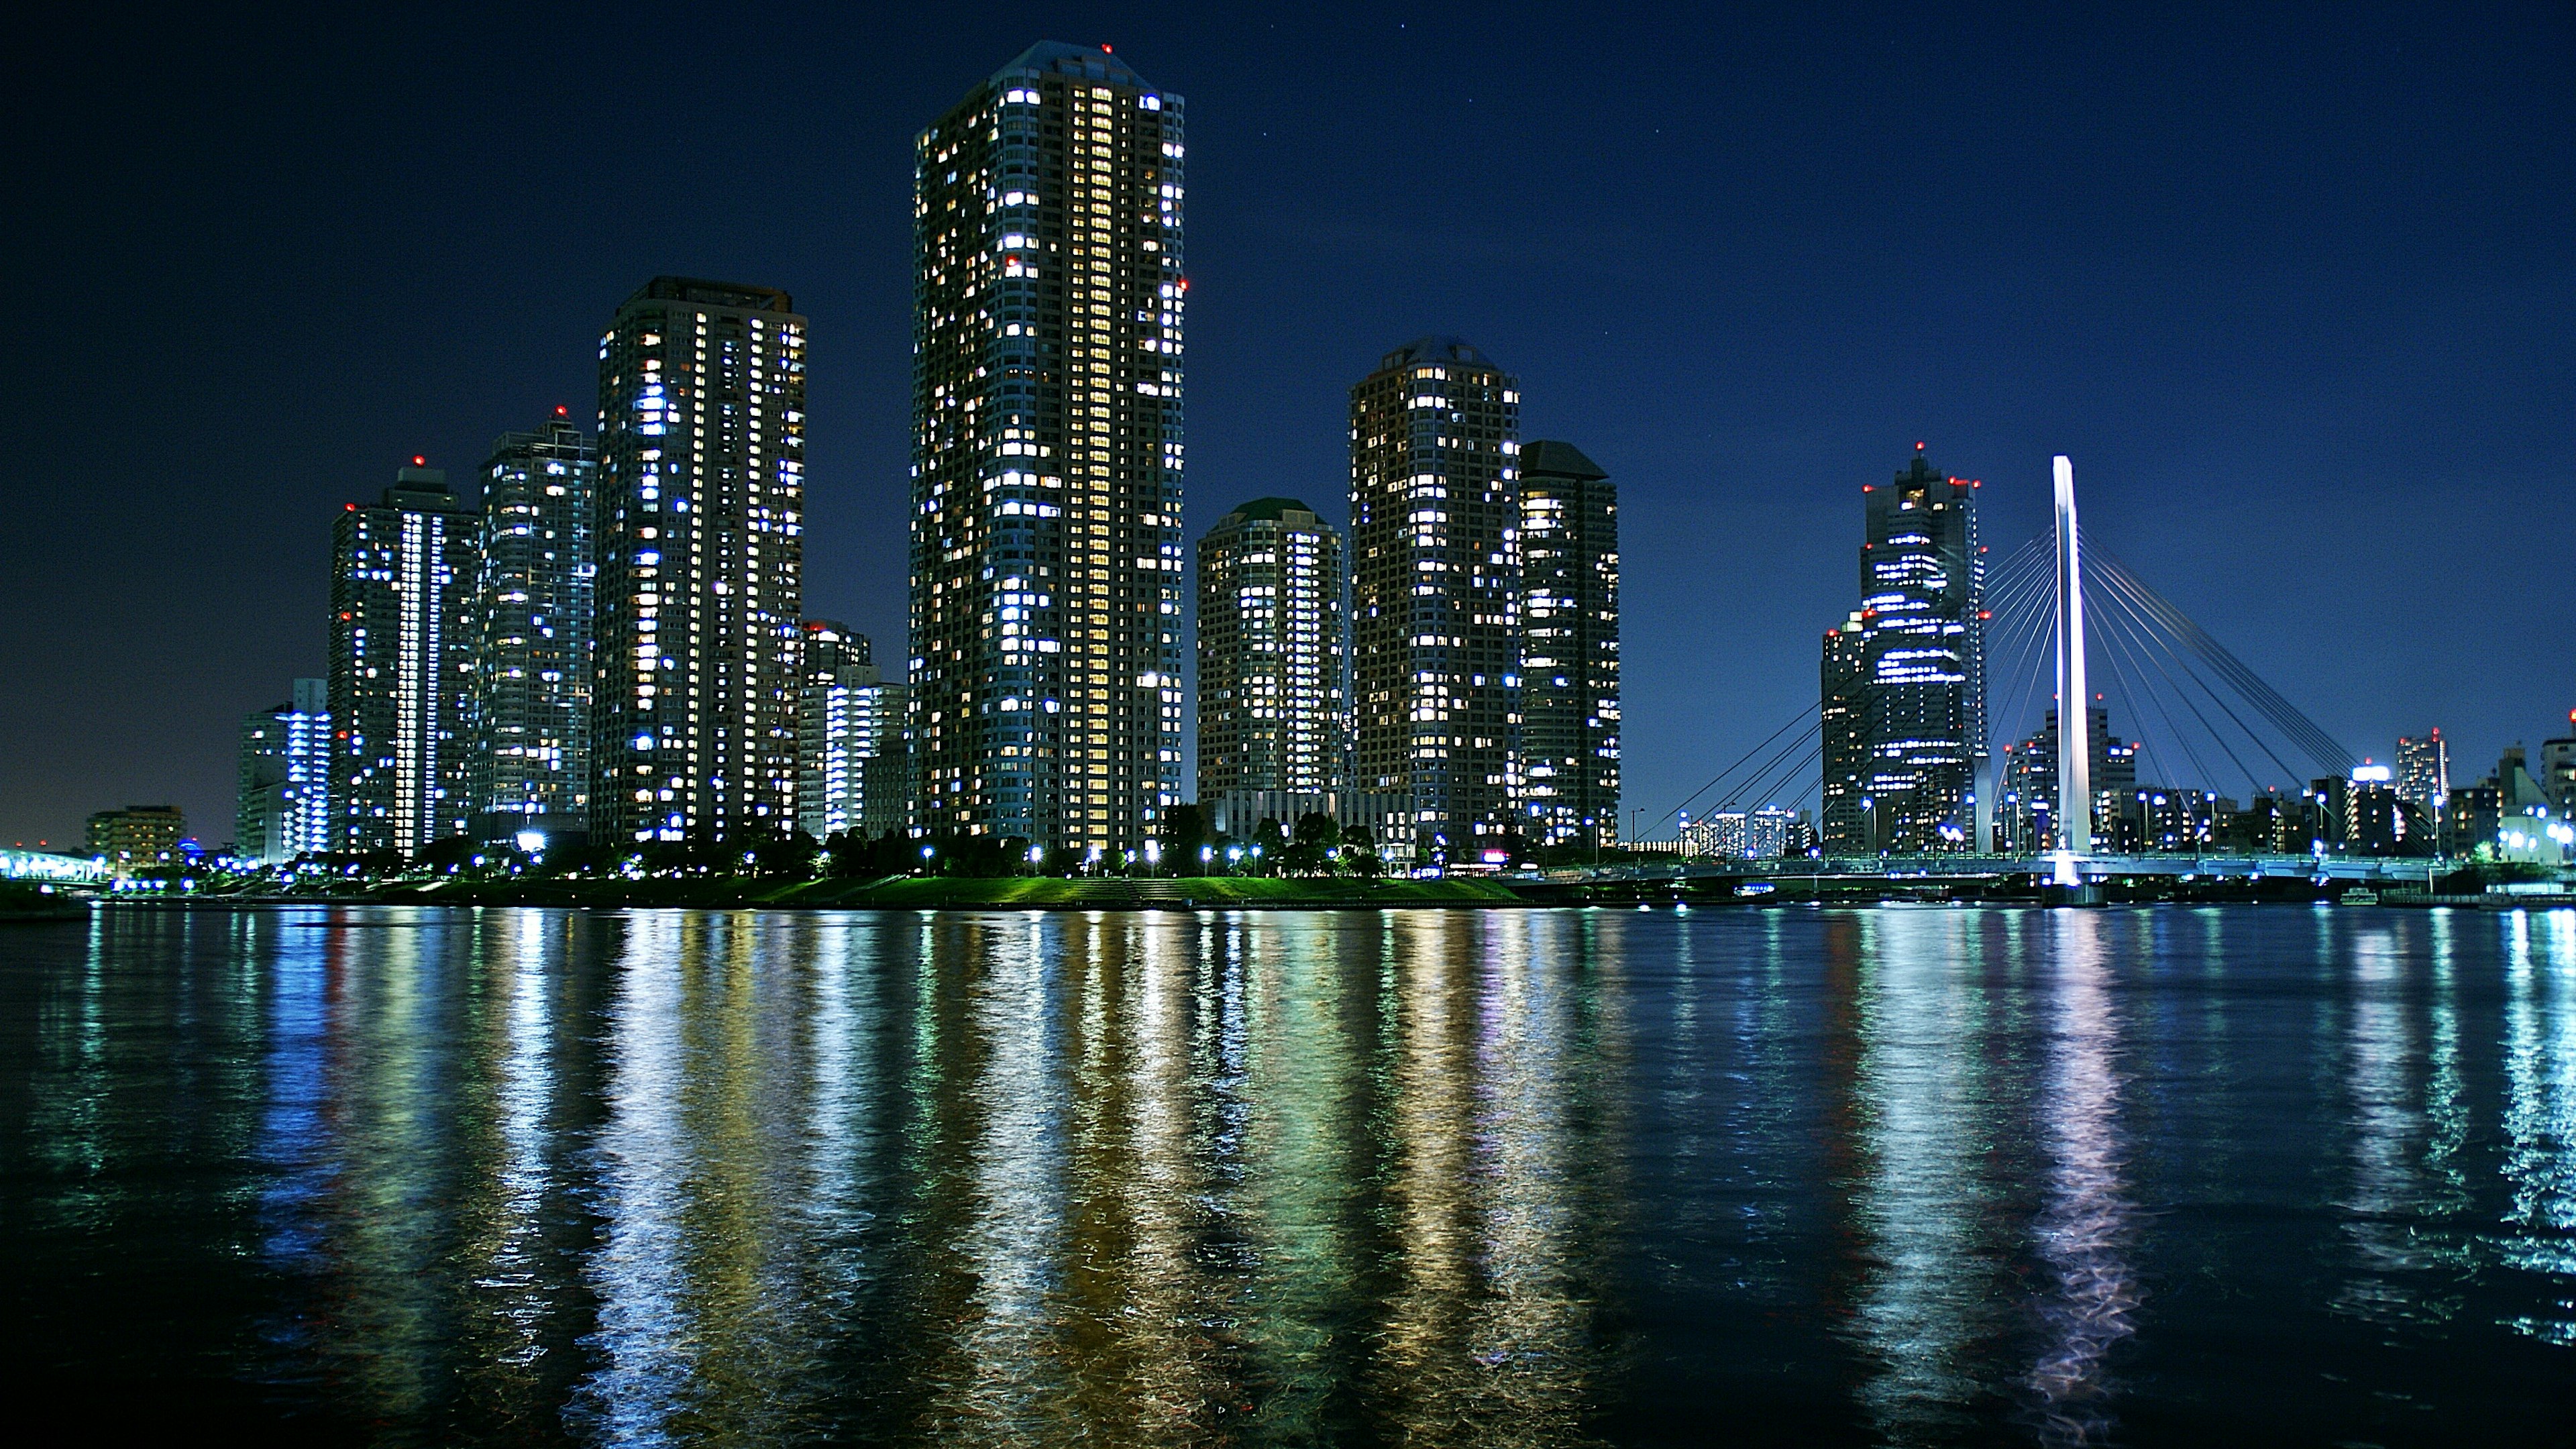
[849,738]
[2424,770]
[1569,665]
[1922,632]
[283,807]
[532,664]
[402,655]
[1270,651]
[1435,603]
[1046,478]
[1849,814]
[700,563]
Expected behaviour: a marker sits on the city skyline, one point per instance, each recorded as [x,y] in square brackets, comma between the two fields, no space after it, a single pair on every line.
[2358,622]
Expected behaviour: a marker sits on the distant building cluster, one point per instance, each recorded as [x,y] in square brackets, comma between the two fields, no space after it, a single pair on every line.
[606,641]
[604,638]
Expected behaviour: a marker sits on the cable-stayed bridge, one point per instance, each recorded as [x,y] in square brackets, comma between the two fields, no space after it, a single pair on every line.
[2190,727]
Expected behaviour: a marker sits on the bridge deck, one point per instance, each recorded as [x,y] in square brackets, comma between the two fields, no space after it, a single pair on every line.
[2094,867]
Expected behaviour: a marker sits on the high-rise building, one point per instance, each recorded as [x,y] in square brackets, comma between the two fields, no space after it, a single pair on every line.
[1046,456]
[1849,815]
[1270,651]
[283,808]
[2028,816]
[1922,633]
[532,664]
[700,552]
[2424,769]
[849,738]
[1770,832]
[1569,664]
[402,655]
[137,837]
[1436,588]
[1719,836]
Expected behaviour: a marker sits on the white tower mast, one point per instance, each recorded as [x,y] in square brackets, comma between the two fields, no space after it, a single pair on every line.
[2074,717]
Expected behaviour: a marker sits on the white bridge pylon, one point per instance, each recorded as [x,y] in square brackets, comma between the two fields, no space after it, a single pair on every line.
[2074,720]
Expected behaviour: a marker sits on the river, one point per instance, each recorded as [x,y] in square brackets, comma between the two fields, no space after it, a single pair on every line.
[1903,1175]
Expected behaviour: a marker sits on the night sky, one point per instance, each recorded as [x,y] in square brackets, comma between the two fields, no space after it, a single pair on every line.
[2295,289]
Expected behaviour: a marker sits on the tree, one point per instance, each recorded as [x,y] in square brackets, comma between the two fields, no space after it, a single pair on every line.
[1184,833]
[790,855]
[1359,853]
[1272,842]
[1310,850]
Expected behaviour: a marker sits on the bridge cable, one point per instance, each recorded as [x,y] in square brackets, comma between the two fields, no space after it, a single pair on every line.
[2147,634]
[1764,770]
[1720,777]
[2120,594]
[2304,732]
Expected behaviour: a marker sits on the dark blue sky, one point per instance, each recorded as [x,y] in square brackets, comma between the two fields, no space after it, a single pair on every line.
[2295,287]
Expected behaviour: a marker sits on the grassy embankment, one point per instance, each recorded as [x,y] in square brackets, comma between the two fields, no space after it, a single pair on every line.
[960,893]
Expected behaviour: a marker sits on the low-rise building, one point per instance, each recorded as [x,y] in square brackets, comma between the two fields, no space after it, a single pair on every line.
[137,838]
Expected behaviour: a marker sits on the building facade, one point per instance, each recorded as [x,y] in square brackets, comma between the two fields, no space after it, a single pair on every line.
[283,805]
[850,742]
[2424,769]
[1847,816]
[136,838]
[2558,769]
[532,663]
[1436,592]
[402,665]
[1270,652]
[1569,664]
[1046,572]
[2026,817]
[700,556]
[1921,584]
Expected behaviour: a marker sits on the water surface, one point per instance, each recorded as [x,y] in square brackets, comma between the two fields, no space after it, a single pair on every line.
[1935,1175]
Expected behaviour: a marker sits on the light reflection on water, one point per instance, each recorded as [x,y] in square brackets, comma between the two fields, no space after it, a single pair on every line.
[1901,1176]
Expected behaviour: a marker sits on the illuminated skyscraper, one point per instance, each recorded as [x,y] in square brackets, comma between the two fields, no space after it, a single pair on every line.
[1921,583]
[284,805]
[1436,585]
[402,653]
[1270,651]
[1849,813]
[1569,664]
[850,745]
[532,663]
[1046,488]
[2424,770]
[701,563]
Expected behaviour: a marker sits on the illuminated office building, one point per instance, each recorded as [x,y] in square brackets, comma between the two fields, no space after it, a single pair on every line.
[402,653]
[1270,651]
[700,554]
[532,663]
[283,805]
[1848,814]
[2424,770]
[1046,480]
[1436,592]
[1569,663]
[1922,648]
[849,765]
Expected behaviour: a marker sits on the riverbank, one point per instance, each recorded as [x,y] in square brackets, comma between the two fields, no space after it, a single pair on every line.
[950,893]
